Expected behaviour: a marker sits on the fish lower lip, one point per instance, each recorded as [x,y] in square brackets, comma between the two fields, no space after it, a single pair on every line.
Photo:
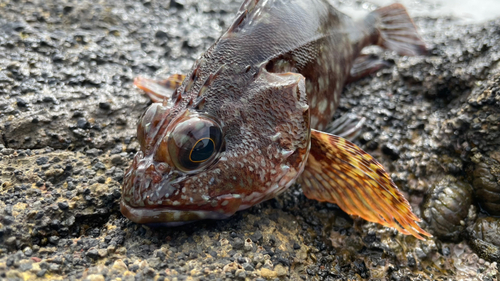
[167,216]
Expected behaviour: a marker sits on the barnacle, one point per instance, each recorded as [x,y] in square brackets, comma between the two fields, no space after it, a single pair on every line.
[484,237]
[446,207]
[486,184]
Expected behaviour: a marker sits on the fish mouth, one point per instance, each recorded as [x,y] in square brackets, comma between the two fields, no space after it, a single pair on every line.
[155,196]
[166,216]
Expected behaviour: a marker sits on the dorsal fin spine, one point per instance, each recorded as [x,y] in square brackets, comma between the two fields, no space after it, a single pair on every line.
[238,20]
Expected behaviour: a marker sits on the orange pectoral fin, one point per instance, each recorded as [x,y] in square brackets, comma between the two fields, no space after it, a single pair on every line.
[158,90]
[340,172]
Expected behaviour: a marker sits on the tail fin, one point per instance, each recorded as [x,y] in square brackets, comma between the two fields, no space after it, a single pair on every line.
[397,31]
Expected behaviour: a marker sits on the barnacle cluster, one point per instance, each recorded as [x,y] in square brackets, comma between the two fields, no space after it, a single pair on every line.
[472,134]
[484,237]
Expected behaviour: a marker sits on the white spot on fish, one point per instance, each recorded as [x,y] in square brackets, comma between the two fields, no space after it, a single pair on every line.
[314,101]
[177,215]
[251,198]
[314,121]
[285,153]
[323,83]
[322,105]
[309,87]
[276,136]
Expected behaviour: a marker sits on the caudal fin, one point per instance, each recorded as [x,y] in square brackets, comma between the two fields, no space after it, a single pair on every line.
[398,32]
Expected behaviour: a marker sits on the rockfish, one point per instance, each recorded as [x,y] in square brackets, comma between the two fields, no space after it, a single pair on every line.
[246,122]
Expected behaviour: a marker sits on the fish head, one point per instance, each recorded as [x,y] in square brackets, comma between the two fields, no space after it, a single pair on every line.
[245,144]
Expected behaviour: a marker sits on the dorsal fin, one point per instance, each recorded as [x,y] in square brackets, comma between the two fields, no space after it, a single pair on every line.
[199,104]
[240,17]
[192,79]
[178,97]
[209,80]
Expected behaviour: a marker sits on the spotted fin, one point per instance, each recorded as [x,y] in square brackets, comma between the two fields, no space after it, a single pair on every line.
[397,31]
[340,172]
[158,90]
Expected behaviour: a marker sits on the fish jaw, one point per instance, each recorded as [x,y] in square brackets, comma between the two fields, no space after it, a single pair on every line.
[154,194]
[165,216]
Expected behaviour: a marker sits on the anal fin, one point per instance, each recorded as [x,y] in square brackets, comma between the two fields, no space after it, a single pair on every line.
[158,90]
[340,172]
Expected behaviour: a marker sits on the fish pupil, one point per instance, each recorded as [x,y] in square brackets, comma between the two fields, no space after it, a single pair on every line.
[202,150]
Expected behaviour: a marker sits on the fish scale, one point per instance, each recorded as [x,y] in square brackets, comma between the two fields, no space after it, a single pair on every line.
[261,94]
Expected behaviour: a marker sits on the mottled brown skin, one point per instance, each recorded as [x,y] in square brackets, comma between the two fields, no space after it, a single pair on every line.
[275,74]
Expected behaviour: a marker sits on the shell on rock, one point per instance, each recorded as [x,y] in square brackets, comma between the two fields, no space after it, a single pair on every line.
[486,183]
[446,207]
[484,237]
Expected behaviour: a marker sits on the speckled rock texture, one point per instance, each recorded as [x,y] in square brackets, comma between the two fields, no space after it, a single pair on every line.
[68,112]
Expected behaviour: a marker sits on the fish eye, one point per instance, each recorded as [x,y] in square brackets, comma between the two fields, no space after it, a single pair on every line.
[194,143]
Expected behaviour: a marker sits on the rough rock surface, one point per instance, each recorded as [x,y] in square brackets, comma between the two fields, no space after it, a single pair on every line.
[68,112]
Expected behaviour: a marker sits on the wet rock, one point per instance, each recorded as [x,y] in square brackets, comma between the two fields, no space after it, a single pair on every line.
[63,205]
[390,150]
[268,274]
[105,105]
[93,253]
[42,160]
[21,102]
